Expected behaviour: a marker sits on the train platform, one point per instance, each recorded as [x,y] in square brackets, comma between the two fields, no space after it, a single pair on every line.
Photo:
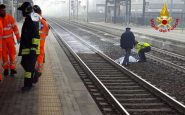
[59,91]
[174,35]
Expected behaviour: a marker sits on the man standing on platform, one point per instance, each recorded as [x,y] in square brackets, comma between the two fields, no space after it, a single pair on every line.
[44,29]
[127,43]
[9,50]
[30,43]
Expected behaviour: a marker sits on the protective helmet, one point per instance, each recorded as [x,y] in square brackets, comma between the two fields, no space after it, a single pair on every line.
[2,10]
[37,9]
[26,8]
[2,6]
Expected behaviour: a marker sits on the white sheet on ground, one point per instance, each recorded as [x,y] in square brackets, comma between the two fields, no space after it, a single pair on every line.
[131,60]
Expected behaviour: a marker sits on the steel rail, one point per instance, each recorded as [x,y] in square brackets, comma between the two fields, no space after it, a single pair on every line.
[115,102]
[180,107]
[157,59]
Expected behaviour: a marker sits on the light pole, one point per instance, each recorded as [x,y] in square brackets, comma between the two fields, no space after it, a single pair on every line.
[183,17]
[87,9]
[69,9]
[144,7]
[77,9]
[171,8]
[114,11]
[12,8]
[128,12]
[105,11]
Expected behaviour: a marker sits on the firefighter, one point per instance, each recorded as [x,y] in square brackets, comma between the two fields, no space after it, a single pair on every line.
[44,29]
[9,50]
[29,44]
[1,36]
[142,48]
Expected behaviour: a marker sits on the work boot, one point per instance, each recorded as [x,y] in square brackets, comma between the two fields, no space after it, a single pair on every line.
[1,78]
[26,89]
[36,76]
[12,72]
[39,74]
[6,72]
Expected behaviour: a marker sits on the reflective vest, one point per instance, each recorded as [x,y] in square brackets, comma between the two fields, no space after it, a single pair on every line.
[9,26]
[141,45]
[44,29]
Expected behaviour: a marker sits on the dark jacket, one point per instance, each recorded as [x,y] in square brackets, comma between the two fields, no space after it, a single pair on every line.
[30,39]
[127,40]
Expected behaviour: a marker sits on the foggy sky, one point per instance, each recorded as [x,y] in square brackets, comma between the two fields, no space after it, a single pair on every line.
[61,7]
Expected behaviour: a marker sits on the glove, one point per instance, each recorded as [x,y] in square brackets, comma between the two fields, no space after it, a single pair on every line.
[18,41]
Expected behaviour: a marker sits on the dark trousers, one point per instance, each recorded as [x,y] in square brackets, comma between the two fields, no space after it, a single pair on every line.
[126,59]
[142,52]
[28,63]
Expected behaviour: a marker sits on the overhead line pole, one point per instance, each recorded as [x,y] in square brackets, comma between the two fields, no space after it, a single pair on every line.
[114,11]
[144,8]
[12,8]
[77,9]
[105,10]
[129,18]
[126,12]
[171,8]
[87,9]
[69,9]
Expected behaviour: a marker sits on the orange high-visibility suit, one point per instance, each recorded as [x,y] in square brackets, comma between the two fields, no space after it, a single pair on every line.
[43,34]
[1,61]
[9,50]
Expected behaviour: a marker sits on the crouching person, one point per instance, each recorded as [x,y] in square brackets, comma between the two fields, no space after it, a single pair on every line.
[142,48]
[29,44]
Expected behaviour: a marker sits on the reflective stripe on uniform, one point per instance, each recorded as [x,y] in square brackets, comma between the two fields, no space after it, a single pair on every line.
[8,36]
[16,32]
[33,49]
[36,41]
[141,45]
[41,32]
[25,51]
[39,67]
[27,75]
[13,24]
[42,38]
[36,50]
[7,28]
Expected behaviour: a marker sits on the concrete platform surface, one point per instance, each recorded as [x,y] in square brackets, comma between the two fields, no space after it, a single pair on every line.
[59,91]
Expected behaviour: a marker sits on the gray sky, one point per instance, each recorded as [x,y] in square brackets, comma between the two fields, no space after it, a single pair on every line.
[61,7]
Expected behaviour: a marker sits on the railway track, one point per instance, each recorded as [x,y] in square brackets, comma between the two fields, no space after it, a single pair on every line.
[161,56]
[120,90]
